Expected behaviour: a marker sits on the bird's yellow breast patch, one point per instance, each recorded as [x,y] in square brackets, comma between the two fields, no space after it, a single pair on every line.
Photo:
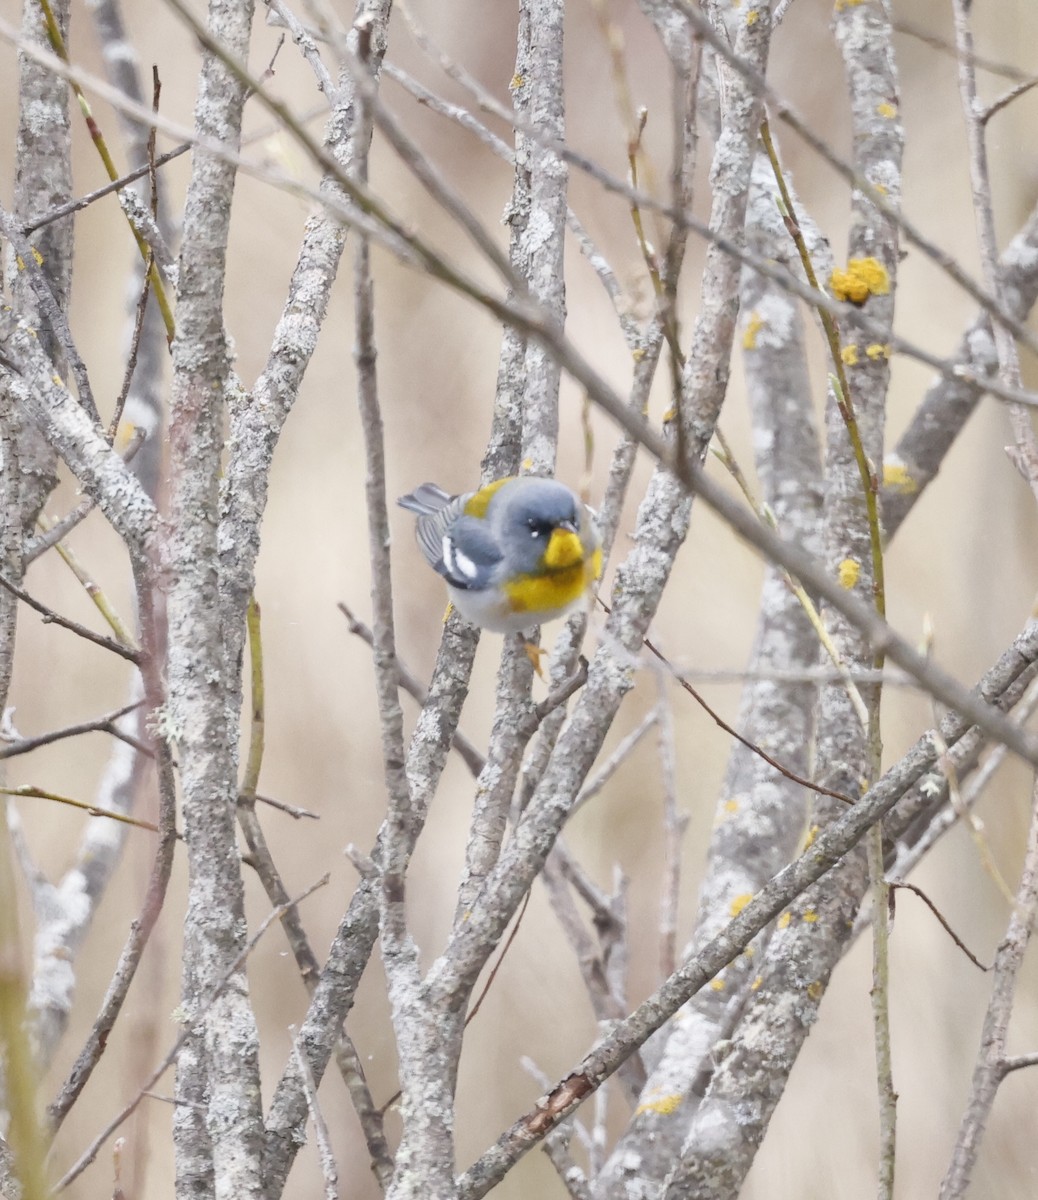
[555,590]
[546,593]
[564,550]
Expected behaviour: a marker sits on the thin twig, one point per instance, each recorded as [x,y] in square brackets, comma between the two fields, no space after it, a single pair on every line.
[96,593]
[329,1171]
[190,1025]
[262,860]
[902,885]
[135,345]
[411,684]
[293,810]
[723,724]
[28,791]
[1007,70]
[50,616]
[989,1069]
[674,825]
[74,206]
[1006,99]
[103,724]
[606,769]
[58,530]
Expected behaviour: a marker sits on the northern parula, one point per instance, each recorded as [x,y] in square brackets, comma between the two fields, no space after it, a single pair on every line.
[517,553]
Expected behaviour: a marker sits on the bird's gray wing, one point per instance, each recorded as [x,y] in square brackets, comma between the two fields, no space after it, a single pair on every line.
[469,557]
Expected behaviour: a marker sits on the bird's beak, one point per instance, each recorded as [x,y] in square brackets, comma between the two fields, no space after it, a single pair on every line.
[564,547]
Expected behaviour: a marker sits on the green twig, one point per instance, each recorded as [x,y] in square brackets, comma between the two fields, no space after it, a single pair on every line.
[250,781]
[102,603]
[35,793]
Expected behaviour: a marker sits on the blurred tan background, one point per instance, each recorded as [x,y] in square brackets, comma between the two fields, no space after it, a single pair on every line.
[966,558]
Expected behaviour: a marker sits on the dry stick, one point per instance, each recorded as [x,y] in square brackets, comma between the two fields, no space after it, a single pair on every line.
[329,1171]
[291,810]
[190,1024]
[51,617]
[1005,100]
[570,1175]
[27,791]
[1016,1062]
[607,1005]
[943,820]
[990,1068]
[141,928]
[869,71]
[399,955]
[751,746]
[946,47]
[261,859]
[103,724]
[1025,453]
[674,825]
[135,342]
[280,13]
[407,679]
[74,206]
[619,755]
[902,885]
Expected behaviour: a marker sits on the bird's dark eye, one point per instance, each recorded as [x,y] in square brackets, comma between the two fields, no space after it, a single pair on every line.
[538,528]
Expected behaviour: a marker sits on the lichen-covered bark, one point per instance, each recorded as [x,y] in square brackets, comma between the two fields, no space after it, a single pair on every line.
[218,1123]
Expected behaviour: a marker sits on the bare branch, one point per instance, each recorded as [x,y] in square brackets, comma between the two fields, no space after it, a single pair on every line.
[990,1066]
[190,1025]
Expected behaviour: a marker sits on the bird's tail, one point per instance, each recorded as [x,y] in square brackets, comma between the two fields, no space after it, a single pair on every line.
[425,499]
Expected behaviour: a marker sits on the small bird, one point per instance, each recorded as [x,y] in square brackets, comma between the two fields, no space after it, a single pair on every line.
[517,553]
